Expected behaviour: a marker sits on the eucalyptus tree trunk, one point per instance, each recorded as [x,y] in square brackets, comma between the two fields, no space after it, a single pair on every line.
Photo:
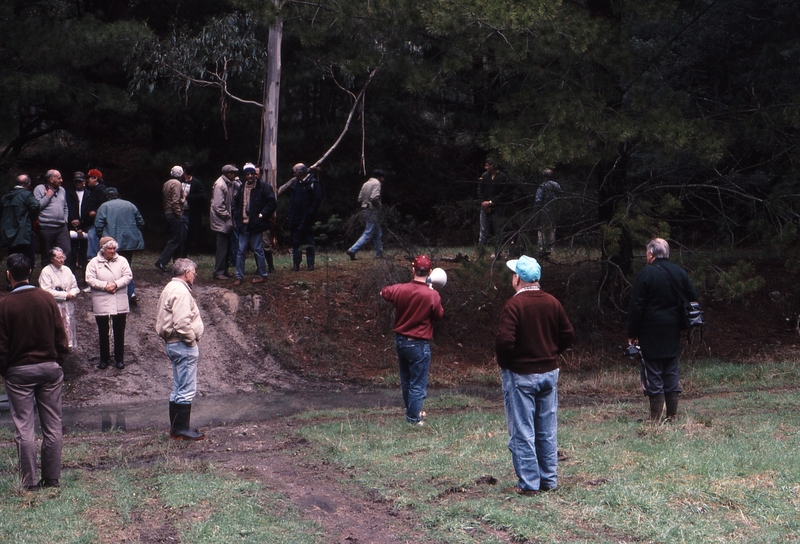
[269,114]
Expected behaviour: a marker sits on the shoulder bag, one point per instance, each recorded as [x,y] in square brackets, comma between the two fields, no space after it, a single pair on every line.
[692,313]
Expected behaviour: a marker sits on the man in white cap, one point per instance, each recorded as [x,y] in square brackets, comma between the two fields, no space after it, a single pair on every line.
[172,194]
[252,209]
[533,331]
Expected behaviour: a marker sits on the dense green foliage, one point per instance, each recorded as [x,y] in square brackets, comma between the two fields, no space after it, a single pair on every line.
[659,117]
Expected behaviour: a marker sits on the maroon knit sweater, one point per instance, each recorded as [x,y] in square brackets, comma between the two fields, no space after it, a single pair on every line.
[31,329]
[416,305]
[533,330]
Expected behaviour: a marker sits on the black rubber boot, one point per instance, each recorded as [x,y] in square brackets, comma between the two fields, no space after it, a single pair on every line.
[270,262]
[172,412]
[656,407]
[310,253]
[672,405]
[181,429]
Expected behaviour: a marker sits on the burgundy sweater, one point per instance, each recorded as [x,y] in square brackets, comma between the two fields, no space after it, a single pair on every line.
[533,330]
[31,329]
[416,305]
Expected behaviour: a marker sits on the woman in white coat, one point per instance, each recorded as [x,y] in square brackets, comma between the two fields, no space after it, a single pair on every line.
[108,275]
[59,281]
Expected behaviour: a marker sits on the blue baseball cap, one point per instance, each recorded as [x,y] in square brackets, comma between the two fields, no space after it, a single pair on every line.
[526,268]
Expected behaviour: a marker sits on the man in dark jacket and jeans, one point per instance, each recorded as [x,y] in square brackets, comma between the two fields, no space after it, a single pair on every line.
[533,331]
[305,201]
[655,320]
[252,208]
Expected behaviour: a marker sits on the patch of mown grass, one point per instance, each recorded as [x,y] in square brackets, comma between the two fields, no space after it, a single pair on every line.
[232,510]
[726,472]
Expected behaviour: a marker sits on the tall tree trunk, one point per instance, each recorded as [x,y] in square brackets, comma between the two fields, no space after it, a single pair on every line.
[269,115]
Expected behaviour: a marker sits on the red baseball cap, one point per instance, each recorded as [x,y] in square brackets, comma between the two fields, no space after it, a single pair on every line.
[422,262]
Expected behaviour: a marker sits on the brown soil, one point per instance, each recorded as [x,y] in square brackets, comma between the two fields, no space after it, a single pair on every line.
[330,327]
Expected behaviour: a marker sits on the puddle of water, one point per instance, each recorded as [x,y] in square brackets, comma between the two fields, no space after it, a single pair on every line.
[222,409]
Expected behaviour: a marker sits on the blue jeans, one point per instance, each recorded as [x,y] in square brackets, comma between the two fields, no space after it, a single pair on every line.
[371,232]
[254,241]
[92,243]
[184,371]
[531,402]
[234,247]
[414,357]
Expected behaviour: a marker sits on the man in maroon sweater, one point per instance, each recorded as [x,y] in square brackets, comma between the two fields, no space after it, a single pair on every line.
[33,346]
[416,305]
[533,331]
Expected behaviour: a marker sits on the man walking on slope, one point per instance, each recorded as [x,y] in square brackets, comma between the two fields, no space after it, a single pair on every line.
[370,200]
[416,304]
[533,331]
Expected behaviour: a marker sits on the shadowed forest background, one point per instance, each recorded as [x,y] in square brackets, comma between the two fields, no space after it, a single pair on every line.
[659,118]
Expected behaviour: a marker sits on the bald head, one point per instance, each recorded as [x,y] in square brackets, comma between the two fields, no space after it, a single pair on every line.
[24,180]
[300,170]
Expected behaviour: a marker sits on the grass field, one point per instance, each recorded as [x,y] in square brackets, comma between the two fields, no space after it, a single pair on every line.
[727,471]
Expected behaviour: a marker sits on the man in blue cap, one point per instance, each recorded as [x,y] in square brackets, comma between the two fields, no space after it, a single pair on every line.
[533,331]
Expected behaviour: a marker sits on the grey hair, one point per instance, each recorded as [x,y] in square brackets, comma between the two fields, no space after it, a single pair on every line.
[108,244]
[659,248]
[182,266]
[50,174]
[53,251]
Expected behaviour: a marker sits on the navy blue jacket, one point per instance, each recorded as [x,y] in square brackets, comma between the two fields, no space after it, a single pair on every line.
[305,201]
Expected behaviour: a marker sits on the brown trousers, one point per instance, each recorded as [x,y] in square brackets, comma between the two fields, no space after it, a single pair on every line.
[36,385]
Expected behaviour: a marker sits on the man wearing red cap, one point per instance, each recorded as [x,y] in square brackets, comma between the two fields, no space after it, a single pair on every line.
[416,305]
[96,197]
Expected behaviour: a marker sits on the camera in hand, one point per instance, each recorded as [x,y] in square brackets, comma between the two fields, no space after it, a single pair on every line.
[633,352]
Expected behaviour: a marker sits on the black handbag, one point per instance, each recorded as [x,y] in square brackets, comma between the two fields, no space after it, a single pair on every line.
[692,312]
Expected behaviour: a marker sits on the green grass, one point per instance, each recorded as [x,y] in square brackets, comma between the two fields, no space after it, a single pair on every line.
[727,471]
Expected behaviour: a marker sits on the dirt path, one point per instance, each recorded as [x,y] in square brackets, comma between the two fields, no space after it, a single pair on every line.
[230,361]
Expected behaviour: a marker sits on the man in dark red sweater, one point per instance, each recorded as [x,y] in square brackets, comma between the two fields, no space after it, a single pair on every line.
[33,346]
[416,305]
[533,331]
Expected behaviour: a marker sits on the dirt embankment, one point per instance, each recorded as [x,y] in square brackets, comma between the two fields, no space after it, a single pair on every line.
[231,361]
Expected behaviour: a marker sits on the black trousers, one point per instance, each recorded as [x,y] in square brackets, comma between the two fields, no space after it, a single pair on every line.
[118,324]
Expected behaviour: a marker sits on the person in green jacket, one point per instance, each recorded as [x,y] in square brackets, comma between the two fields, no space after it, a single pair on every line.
[19,209]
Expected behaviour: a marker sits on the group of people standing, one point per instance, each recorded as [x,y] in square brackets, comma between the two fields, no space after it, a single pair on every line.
[532,333]
[243,218]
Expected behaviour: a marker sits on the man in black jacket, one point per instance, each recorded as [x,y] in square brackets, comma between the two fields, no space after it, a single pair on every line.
[76,198]
[655,320]
[252,207]
[305,201]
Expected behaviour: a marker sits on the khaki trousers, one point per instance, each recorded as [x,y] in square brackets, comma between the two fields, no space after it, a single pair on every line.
[36,385]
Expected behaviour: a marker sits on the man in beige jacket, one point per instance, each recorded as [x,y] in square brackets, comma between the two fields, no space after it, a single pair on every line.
[178,323]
